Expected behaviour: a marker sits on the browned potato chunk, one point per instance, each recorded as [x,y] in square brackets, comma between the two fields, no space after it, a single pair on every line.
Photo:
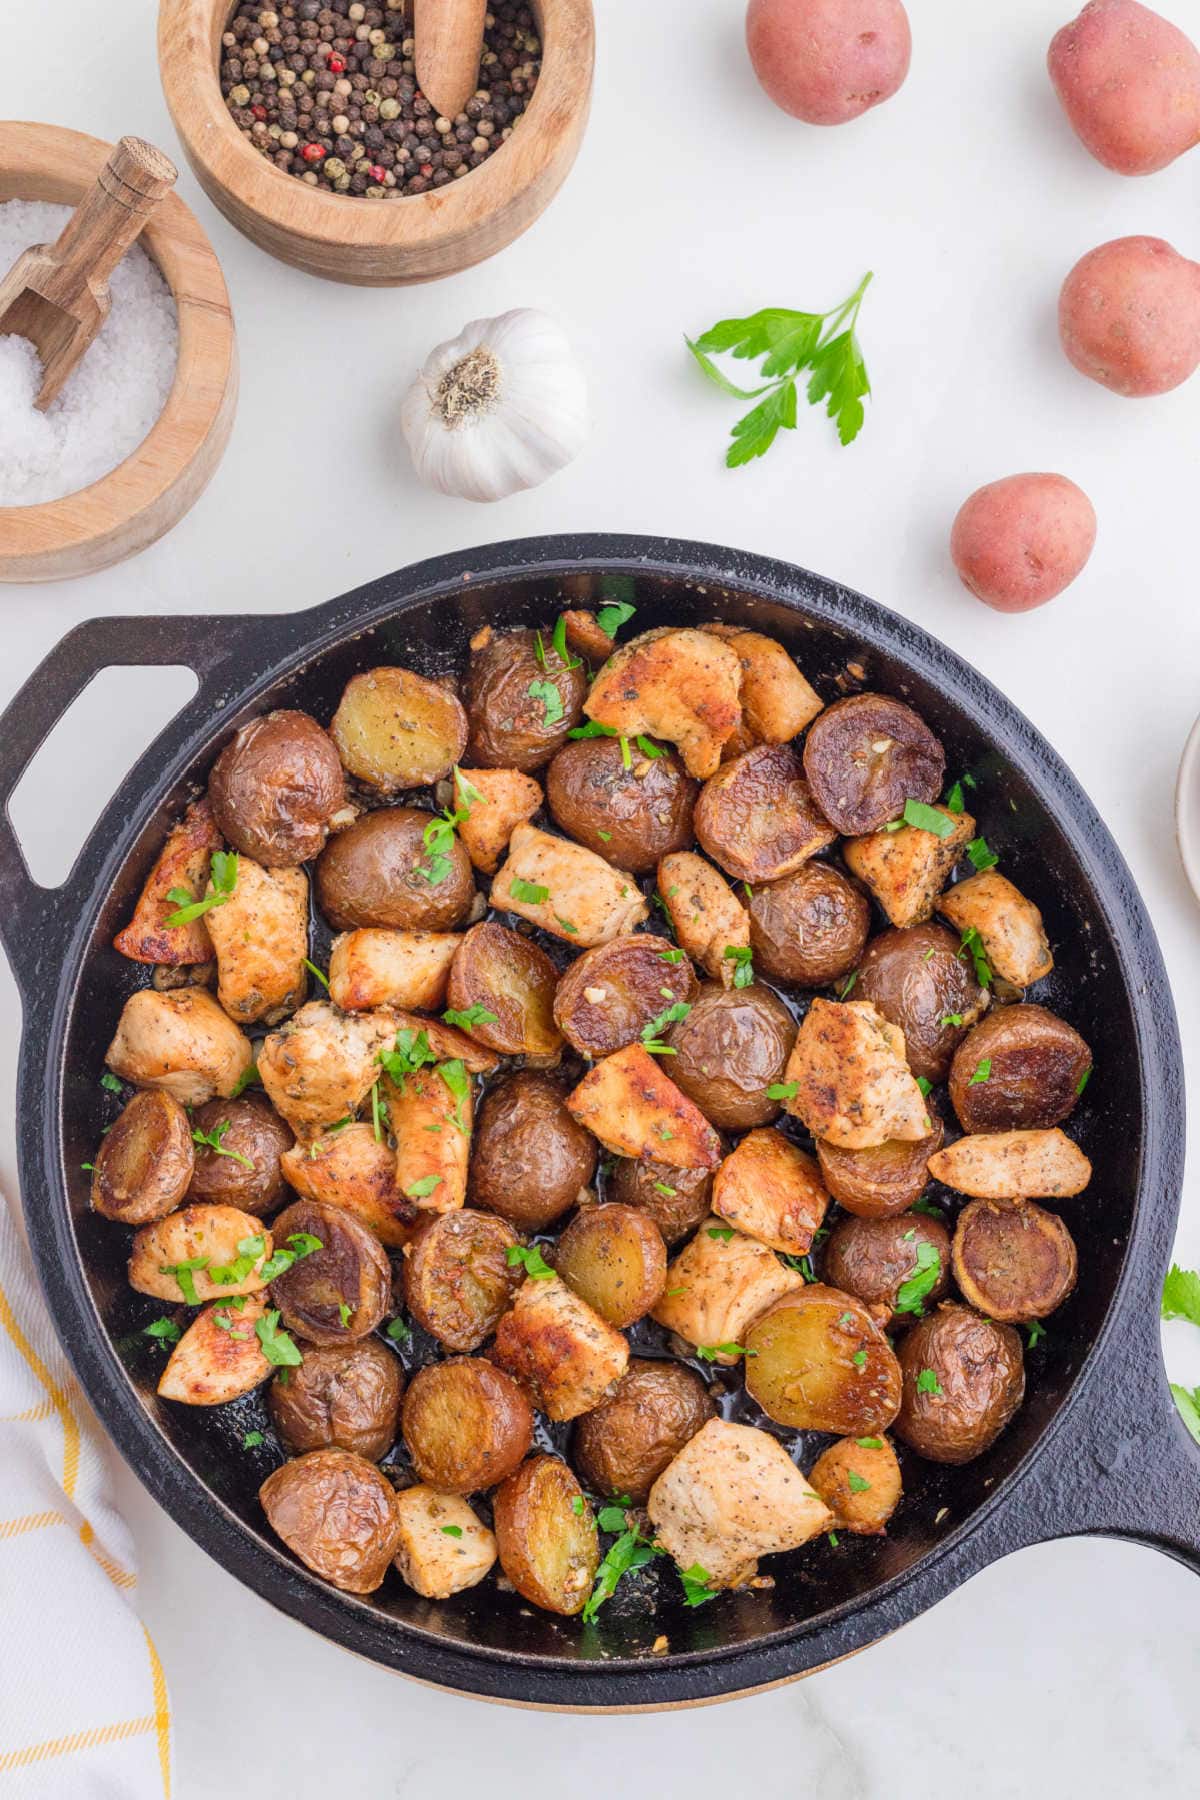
[865,756]
[708,919]
[627,806]
[859,1481]
[635,1110]
[1037,1067]
[818,1361]
[719,1283]
[521,705]
[1009,926]
[1013,1260]
[443,1547]
[496,801]
[182,1042]
[219,1357]
[906,870]
[900,1266]
[614,1258]
[396,730]
[144,1162]
[586,636]
[183,862]
[340,1291]
[195,1255]
[381,871]
[354,1169]
[624,1446]
[466,1423]
[681,686]
[275,789]
[809,929]
[757,818]
[338,1514]
[242,1167]
[1013,1165]
[853,1085]
[508,984]
[320,1066]
[772,1191]
[260,936]
[964,1378]
[546,1536]
[731,1049]
[561,1352]
[676,1199]
[733,1494]
[608,996]
[917,980]
[342,1397]
[430,1115]
[883,1180]
[567,890]
[532,1161]
[777,702]
[371,968]
[457,1278]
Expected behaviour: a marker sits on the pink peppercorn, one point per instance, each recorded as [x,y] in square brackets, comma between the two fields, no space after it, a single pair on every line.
[336,64]
[313,153]
[377,172]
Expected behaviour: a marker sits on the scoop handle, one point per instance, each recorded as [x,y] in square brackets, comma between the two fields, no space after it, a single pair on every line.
[107,220]
[449,41]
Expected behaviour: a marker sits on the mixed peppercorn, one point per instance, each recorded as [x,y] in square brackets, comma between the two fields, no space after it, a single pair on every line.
[328,93]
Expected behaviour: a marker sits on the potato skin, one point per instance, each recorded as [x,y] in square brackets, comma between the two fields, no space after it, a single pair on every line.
[883,1180]
[275,787]
[342,1397]
[631,816]
[457,1280]
[873,1258]
[466,1423]
[915,977]
[608,995]
[1013,1260]
[548,1549]
[864,1510]
[256,1131]
[613,1257]
[757,818]
[732,1046]
[368,875]
[809,928]
[351,1269]
[822,1363]
[497,968]
[338,1514]
[856,786]
[828,61]
[1129,82]
[1129,316]
[1038,1063]
[145,1161]
[1018,542]
[625,1444]
[979,1367]
[394,729]
[508,723]
[676,1199]
[530,1159]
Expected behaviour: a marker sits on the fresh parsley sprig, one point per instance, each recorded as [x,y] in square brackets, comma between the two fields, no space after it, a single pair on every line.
[1181,1300]
[223,881]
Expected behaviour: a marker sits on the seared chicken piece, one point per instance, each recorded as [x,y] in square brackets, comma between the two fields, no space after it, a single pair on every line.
[777,702]
[854,1087]
[707,915]
[183,1256]
[1013,1165]
[260,936]
[430,1113]
[718,1285]
[680,686]
[181,1041]
[507,799]
[443,1546]
[552,1342]
[1009,926]
[373,967]
[772,1191]
[906,870]
[354,1169]
[733,1494]
[448,1043]
[183,862]
[321,1065]
[566,889]
[635,1110]
[219,1356]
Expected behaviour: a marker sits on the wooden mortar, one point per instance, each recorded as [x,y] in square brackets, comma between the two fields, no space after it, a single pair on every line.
[159,481]
[377,242]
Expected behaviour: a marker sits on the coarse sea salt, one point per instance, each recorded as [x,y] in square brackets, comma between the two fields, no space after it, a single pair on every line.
[112,397]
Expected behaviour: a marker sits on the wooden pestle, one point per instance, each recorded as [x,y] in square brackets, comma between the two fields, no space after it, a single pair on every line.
[57,294]
[449,43]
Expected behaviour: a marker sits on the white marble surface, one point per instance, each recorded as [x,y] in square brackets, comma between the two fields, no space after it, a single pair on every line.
[1069,1669]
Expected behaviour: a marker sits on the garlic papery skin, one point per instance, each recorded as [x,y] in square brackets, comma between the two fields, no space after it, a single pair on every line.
[499,408]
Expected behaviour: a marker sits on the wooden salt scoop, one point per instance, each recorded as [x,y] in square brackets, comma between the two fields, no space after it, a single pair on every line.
[56,295]
[449,43]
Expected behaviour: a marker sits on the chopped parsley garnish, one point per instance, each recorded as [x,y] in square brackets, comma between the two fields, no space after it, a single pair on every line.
[655,1047]
[800,1265]
[742,957]
[454,1531]
[1036,1331]
[859,1359]
[981,857]
[244,1080]
[211,1140]
[972,942]
[927,1207]
[628,1552]
[420,1190]
[833,1540]
[925,1085]
[531,892]
[710,1352]
[610,618]
[379,1112]
[412,1052]
[279,1347]
[320,974]
[398,1330]
[671,954]
[928,818]
[605,835]
[1181,1294]
[951,1019]
[566,925]
[697,1585]
[670,1015]
[222,880]
[299,1244]
[468,795]
[345,1311]
[474,1015]
[913,1291]
[249,1251]
[577,1505]
[165,1330]
[983,1072]
[558,640]
[954,798]
[454,1074]
[928,1383]
[857,1484]
[184,1273]
[722,1233]
[551,700]
[529,1257]
[871,1443]
[663,1187]
[848,985]
[112,1083]
[252,1440]
[782,1090]
[1083,1081]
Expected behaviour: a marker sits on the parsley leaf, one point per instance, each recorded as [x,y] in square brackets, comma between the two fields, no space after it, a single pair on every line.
[249,1251]
[244,1080]
[530,1258]
[927,818]
[697,1585]
[474,1015]
[184,1275]
[710,1352]
[412,1052]
[721,1233]
[558,641]
[742,957]
[670,1015]
[782,1090]
[279,1347]
[454,1531]
[1181,1295]
[972,942]
[1083,1081]
[531,892]
[320,974]
[983,1071]
[630,1551]
[421,1189]
[551,700]
[223,882]
[299,1244]
[954,798]
[925,1085]
[858,1485]
[252,1440]
[165,1330]
[928,1383]
[1036,1331]
[1189,1408]
[113,1083]
[398,1330]
[981,857]
[912,1291]
[610,618]
[847,987]
[869,1443]
[211,1140]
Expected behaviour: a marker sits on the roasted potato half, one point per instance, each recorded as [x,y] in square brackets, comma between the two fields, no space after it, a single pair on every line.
[810,928]
[521,705]
[340,1291]
[676,1199]
[730,1049]
[1012,1259]
[614,1258]
[467,1424]
[901,1264]
[756,817]
[884,1179]
[396,730]
[859,1481]
[817,1360]
[381,872]
[917,980]
[240,1163]
[338,1514]
[197,1254]
[865,756]
[964,1378]
[625,1444]
[627,805]
[276,788]
[546,1535]
[508,984]
[145,1161]
[611,995]
[343,1397]
[457,1278]
[531,1160]
[1037,1067]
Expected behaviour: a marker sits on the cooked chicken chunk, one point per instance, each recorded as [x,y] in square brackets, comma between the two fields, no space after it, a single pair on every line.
[733,1494]
[556,1346]
[854,1087]
[636,1110]
[192,1255]
[566,889]
[1009,926]
[718,1285]
[430,1113]
[907,869]
[443,1546]
[505,799]
[777,702]
[772,1191]
[1014,1165]
[260,936]
[680,686]
[374,967]
[183,862]
[181,1041]
[321,1065]
[219,1357]
[707,915]
[354,1169]
[447,1043]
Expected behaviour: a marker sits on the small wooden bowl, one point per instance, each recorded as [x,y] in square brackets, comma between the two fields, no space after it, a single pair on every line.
[150,491]
[379,243]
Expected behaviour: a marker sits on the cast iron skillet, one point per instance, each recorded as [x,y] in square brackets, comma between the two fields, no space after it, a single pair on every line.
[1097,1447]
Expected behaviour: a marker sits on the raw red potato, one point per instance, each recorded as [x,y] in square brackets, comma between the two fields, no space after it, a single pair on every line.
[1018,542]
[828,61]
[1129,316]
[1129,82]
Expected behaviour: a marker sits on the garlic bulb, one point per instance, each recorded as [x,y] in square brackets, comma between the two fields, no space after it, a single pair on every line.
[497,409]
